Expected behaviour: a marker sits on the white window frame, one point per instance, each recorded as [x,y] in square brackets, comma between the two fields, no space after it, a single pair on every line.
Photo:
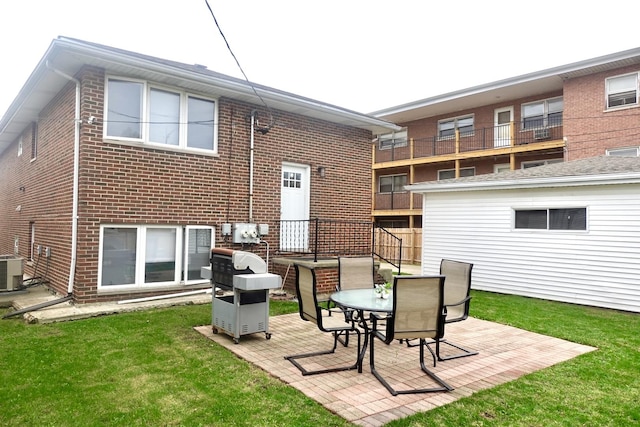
[548,220]
[442,171]
[392,140]
[502,167]
[393,183]
[624,152]
[535,163]
[184,97]
[34,141]
[180,254]
[456,121]
[609,92]
[187,244]
[545,103]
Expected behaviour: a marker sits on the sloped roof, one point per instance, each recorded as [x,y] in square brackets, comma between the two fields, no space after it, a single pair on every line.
[65,56]
[591,171]
[531,84]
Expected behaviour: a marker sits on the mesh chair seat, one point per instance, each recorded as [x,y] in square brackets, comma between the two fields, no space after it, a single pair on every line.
[310,310]
[418,313]
[457,288]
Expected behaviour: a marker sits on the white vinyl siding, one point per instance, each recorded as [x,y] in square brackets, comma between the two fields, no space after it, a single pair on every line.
[598,267]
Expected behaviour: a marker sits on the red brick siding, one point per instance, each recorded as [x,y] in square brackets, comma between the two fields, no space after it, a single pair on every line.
[591,129]
[47,180]
[136,184]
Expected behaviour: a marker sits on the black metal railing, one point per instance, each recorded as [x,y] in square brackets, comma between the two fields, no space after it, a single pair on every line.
[332,238]
[479,139]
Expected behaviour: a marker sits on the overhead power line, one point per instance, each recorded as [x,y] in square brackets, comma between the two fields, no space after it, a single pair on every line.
[263,130]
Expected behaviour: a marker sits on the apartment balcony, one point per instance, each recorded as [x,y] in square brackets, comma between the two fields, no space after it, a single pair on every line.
[481,142]
[397,203]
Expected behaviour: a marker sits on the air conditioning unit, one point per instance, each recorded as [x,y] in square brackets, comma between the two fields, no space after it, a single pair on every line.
[10,272]
[541,134]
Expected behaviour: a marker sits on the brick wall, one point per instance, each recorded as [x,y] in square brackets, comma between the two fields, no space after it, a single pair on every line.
[591,129]
[130,183]
[47,182]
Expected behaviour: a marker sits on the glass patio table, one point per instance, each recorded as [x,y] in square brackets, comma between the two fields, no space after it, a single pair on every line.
[362,300]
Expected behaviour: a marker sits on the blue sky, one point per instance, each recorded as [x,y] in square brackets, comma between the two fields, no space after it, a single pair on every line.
[364,55]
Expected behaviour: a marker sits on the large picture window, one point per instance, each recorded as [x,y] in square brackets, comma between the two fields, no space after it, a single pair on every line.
[139,111]
[551,219]
[622,91]
[147,255]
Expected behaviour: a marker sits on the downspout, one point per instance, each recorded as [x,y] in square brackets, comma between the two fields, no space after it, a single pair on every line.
[253,120]
[76,167]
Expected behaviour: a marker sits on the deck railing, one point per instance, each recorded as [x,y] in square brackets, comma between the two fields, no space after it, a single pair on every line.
[462,142]
[332,238]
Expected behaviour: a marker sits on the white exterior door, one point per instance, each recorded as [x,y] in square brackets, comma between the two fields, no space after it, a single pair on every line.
[501,127]
[294,207]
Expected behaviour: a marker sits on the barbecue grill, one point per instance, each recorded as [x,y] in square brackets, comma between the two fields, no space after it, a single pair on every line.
[246,309]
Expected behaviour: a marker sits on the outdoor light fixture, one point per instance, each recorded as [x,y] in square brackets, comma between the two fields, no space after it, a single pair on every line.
[322,171]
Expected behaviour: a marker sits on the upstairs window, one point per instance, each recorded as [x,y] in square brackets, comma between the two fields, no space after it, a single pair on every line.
[622,91]
[451,173]
[124,109]
[34,141]
[541,114]
[392,183]
[536,163]
[551,219]
[393,139]
[624,152]
[141,112]
[447,128]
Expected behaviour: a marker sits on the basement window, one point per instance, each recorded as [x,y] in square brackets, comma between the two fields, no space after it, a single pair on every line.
[551,219]
[134,256]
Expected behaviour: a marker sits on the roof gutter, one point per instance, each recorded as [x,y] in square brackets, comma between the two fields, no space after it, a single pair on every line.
[510,184]
[76,167]
[228,83]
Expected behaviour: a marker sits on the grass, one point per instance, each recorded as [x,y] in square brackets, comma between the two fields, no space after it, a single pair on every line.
[152,368]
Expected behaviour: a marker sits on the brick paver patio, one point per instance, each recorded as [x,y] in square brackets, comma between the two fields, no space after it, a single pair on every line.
[506,353]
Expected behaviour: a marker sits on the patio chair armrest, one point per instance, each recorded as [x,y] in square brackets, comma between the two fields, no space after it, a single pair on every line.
[463,301]
[377,317]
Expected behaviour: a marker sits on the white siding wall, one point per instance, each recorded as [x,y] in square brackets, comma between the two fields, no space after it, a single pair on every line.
[599,267]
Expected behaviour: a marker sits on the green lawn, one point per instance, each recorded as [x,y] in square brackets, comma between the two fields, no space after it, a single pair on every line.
[152,369]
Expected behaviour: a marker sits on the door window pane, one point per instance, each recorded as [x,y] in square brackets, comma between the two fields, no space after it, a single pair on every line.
[119,256]
[164,117]
[201,123]
[124,114]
